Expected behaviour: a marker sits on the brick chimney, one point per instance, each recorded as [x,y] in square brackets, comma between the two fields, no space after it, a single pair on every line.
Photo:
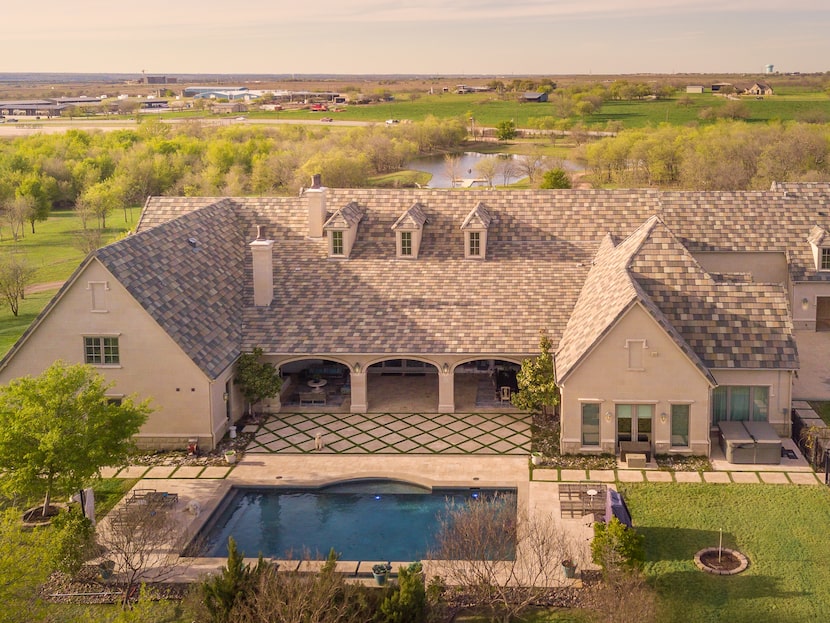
[262,256]
[317,213]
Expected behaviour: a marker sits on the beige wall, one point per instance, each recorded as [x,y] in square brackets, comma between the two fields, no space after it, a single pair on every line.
[151,363]
[765,267]
[805,319]
[667,376]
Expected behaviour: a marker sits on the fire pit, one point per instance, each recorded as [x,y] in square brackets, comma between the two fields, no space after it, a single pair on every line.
[721,561]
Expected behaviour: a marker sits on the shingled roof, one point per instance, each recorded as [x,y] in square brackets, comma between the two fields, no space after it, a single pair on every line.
[188,273]
[538,268]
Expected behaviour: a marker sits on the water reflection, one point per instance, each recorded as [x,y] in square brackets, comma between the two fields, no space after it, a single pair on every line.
[466,169]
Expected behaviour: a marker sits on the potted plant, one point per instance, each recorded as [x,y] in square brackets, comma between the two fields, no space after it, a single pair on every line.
[381,572]
[230,456]
[536,458]
[569,567]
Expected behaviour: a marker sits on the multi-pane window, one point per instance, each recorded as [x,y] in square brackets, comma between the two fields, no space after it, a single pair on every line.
[680,426]
[475,243]
[824,262]
[741,403]
[406,243]
[590,424]
[101,350]
[337,243]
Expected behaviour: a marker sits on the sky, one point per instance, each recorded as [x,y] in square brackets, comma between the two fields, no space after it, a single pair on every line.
[432,37]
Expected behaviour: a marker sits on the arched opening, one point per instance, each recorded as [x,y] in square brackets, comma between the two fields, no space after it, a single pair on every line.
[321,383]
[480,383]
[402,385]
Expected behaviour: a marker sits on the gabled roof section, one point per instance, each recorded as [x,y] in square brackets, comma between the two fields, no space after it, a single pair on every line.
[346,217]
[817,236]
[478,217]
[158,210]
[726,324]
[188,274]
[413,218]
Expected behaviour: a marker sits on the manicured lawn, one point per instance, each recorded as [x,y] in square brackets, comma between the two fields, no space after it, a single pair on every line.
[782,529]
[822,410]
[12,327]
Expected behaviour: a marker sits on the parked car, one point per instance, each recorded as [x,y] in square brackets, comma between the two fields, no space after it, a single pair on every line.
[326,119]
[392,121]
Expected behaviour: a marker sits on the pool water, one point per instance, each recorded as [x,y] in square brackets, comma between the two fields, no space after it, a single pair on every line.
[369,520]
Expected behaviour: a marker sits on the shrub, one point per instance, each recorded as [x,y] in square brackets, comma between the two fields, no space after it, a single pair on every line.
[72,542]
[407,601]
[615,546]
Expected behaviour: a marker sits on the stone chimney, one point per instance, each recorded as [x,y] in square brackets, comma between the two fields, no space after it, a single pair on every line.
[262,255]
[317,213]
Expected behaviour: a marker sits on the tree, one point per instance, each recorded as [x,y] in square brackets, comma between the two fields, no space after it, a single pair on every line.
[556,178]
[506,130]
[141,540]
[500,558]
[408,601]
[102,198]
[536,380]
[452,168]
[58,429]
[487,168]
[24,563]
[232,586]
[15,275]
[257,379]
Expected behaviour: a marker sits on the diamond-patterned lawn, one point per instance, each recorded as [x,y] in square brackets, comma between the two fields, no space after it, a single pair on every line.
[386,433]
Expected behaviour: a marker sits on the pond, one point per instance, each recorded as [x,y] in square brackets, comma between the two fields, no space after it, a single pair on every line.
[466,169]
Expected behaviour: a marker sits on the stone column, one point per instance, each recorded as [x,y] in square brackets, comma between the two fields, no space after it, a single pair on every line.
[446,391]
[359,398]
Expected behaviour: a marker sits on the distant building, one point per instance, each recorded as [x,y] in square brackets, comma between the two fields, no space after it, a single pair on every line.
[533,96]
[759,88]
[721,86]
[695,88]
[230,107]
[769,69]
[160,80]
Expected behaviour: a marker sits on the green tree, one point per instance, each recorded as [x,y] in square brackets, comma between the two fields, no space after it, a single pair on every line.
[536,380]
[24,563]
[506,130]
[57,430]
[232,586]
[407,601]
[257,379]
[556,178]
[615,546]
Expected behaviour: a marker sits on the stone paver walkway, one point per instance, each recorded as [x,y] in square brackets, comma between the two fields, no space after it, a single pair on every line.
[386,433]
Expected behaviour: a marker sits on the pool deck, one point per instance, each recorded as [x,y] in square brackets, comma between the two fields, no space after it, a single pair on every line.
[201,489]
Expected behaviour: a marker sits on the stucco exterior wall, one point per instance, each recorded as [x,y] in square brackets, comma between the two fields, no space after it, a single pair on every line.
[667,376]
[151,363]
[804,313]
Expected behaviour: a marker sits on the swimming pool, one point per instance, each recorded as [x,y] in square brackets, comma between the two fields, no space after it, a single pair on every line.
[363,520]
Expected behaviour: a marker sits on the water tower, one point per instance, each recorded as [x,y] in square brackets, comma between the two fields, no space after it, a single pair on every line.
[769,69]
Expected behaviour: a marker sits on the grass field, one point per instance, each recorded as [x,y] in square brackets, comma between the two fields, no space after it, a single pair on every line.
[782,529]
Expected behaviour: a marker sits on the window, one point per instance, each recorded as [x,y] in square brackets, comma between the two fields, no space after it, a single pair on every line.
[634,422]
[406,243]
[740,403]
[680,426]
[475,244]
[824,260]
[101,351]
[337,243]
[590,424]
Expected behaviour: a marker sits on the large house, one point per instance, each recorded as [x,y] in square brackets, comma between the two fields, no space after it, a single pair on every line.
[669,311]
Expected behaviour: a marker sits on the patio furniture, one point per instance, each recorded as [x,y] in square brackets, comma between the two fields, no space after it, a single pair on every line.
[313,398]
[504,394]
[637,447]
[636,460]
[317,385]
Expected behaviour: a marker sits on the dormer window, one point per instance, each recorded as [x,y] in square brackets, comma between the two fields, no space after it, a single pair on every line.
[341,229]
[336,238]
[406,243]
[408,231]
[475,228]
[821,252]
[474,244]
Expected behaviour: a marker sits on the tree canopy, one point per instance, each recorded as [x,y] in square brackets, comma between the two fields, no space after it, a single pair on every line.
[257,379]
[536,380]
[58,429]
